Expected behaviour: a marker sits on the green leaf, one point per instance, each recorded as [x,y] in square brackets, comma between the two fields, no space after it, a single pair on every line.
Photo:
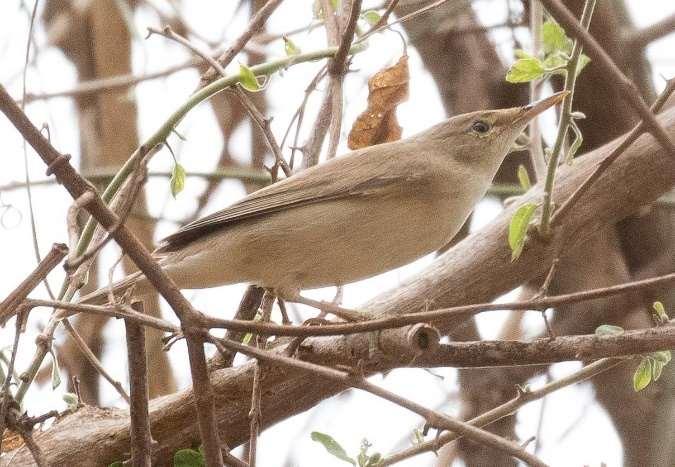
[290,47]
[525,69]
[608,330]
[524,178]
[554,38]
[188,458]
[177,181]
[520,53]
[657,367]
[418,437]
[643,375]
[332,446]
[660,312]
[247,79]
[116,464]
[56,371]
[662,356]
[71,400]
[554,61]
[518,228]
[247,338]
[372,17]
[375,460]
[583,61]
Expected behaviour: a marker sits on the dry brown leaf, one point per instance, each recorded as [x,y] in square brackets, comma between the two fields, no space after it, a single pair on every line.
[11,441]
[378,124]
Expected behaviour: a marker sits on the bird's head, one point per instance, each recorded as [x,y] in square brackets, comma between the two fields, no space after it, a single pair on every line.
[488,135]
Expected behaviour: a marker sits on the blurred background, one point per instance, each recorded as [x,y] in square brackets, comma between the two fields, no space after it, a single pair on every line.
[459,53]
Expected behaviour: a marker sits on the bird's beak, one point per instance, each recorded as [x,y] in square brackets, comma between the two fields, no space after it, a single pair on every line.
[532,110]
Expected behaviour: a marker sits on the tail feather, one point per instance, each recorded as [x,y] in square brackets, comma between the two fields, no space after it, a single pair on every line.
[100,296]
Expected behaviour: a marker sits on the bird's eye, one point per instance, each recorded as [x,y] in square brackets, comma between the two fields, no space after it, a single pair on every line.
[480,127]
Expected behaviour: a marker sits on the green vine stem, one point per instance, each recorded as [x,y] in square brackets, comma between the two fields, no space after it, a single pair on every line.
[565,121]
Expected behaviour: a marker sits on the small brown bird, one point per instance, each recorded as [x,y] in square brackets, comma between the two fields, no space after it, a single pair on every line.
[349,218]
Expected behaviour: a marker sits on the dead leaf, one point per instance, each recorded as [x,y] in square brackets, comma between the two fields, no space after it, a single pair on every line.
[378,124]
[11,441]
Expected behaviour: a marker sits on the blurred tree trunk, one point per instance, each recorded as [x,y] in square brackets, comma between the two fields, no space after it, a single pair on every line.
[469,76]
[95,37]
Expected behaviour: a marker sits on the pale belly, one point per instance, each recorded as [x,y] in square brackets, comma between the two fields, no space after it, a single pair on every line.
[320,245]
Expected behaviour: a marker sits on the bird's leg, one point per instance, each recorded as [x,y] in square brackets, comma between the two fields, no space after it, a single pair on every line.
[293,295]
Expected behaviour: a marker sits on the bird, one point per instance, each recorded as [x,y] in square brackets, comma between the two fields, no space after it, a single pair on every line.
[349,218]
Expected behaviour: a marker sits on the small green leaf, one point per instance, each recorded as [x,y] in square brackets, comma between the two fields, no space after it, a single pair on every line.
[188,458]
[657,368]
[290,47]
[662,356]
[555,61]
[247,79]
[524,178]
[554,38]
[583,61]
[520,53]
[660,312]
[56,371]
[518,228]
[336,4]
[525,69]
[332,446]
[177,181]
[247,338]
[608,330]
[643,375]
[71,400]
[116,464]
[372,17]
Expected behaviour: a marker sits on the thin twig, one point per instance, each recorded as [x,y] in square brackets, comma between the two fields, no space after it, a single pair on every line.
[626,89]
[18,295]
[645,36]
[256,115]
[256,389]
[536,149]
[6,395]
[506,409]
[245,174]
[634,134]
[463,311]
[337,68]
[141,438]
[434,418]
[255,24]
[566,120]
[94,361]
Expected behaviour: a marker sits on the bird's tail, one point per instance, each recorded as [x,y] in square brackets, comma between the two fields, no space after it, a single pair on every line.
[100,296]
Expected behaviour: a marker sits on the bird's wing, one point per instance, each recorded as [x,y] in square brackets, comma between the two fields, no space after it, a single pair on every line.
[328,181]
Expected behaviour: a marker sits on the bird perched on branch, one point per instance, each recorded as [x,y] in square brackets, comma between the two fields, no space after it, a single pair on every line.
[369,211]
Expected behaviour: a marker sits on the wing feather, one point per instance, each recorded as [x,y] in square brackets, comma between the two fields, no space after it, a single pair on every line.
[320,183]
